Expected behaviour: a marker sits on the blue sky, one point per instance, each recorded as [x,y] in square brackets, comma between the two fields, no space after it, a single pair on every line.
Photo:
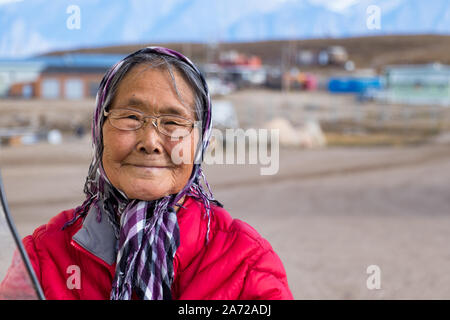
[29,27]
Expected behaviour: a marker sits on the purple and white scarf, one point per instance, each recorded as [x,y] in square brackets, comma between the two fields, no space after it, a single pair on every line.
[147,232]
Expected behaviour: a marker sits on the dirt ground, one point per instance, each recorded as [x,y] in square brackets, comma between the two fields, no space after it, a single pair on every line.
[329,213]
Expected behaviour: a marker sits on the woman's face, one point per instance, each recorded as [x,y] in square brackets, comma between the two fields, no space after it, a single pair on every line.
[140,162]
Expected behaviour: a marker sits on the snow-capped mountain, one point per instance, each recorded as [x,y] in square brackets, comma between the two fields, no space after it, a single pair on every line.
[35,26]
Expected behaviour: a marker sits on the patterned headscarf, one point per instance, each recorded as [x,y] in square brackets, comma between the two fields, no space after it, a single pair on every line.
[148,233]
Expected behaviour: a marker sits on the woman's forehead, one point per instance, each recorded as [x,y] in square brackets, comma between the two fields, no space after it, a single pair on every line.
[147,106]
[148,88]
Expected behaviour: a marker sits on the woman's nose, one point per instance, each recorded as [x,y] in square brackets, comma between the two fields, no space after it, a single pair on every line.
[149,138]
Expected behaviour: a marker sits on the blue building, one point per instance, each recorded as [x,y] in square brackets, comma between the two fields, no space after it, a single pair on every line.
[70,76]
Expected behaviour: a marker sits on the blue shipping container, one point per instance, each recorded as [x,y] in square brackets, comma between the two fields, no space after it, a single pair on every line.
[353,85]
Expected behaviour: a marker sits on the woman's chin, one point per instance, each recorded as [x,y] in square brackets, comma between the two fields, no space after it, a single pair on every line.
[146,192]
[147,173]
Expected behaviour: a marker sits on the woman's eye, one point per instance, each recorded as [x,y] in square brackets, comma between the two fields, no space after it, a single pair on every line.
[132,117]
[173,123]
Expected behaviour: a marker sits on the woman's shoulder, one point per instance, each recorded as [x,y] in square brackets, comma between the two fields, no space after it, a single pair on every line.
[223,222]
[194,216]
[49,240]
[225,232]
[54,226]
[235,262]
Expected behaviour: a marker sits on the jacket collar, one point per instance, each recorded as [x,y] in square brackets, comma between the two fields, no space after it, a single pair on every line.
[98,237]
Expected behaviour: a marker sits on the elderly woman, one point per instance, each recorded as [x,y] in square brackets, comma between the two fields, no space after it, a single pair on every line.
[150,227]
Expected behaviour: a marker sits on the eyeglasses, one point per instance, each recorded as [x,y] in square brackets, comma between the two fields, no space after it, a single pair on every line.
[168,125]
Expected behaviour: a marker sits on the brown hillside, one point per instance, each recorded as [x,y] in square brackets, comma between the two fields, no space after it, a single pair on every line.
[375,52]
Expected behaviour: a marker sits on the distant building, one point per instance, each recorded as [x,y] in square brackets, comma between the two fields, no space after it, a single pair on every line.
[337,55]
[306,58]
[418,84]
[353,84]
[242,70]
[333,55]
[71,76]
[13,72]
[234,58]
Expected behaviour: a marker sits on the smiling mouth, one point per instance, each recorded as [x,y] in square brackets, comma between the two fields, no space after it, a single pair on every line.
[148,168]
[145,166]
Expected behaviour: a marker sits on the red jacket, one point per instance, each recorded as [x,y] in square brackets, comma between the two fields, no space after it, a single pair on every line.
[237,263]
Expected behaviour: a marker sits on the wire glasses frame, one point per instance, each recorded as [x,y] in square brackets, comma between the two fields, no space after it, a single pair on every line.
[132,120]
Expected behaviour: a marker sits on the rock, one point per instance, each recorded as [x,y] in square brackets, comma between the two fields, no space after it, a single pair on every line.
[309,135]
[289,136]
